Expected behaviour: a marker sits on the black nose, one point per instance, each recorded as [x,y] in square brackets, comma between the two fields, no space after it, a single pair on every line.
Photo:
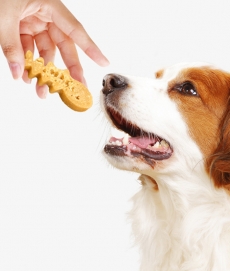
[112,82]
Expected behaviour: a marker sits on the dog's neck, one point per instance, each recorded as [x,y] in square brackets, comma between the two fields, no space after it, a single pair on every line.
[172,214]
[191,186]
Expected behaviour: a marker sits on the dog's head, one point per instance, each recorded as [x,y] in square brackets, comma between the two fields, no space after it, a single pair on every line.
[179,119]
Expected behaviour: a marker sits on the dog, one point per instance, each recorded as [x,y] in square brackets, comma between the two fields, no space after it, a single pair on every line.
[176,134]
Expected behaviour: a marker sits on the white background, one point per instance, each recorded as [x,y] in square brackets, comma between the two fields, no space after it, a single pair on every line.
[62,206]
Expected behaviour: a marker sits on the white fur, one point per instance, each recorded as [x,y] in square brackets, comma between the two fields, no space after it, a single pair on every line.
[185,225]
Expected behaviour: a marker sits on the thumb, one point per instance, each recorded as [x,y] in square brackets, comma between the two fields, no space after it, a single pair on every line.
[11,46]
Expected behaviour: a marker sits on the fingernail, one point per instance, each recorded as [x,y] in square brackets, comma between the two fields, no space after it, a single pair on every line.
[15,69]
[104,62]
[42,91]
[84,81]
[28,81]
[26,78]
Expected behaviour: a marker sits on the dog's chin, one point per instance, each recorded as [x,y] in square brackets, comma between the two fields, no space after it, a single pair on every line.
[129,163]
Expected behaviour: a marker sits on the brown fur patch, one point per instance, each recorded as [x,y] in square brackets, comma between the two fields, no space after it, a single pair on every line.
[144,178]
[204,114]
[159,74]
[219,162]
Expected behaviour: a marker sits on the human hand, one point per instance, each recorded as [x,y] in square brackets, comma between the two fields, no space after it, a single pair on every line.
[46,24]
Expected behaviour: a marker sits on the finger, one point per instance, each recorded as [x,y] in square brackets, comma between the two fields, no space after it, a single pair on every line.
[26,78]
[45,46]
[46,49]
[69,25]
[42,91]
[11,45]
[27,42]
[68,52]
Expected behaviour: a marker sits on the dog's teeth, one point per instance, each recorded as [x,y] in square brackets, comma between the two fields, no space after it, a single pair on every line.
[156,145]
[118,143]
[125,139]
[117,133]
[164,143]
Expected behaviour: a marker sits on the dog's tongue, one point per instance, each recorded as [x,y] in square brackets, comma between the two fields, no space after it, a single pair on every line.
[142,142]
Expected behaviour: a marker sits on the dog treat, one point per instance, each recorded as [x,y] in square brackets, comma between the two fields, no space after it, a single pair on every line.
[73,93]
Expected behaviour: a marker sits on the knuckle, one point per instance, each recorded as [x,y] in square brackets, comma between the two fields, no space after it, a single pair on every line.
[8,49]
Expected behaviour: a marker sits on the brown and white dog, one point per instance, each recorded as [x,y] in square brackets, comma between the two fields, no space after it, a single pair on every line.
[176,133]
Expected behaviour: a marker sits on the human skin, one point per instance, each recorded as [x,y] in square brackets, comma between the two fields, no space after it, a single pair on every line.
[46,25]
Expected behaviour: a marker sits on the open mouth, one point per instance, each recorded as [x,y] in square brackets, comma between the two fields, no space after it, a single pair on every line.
[136,142]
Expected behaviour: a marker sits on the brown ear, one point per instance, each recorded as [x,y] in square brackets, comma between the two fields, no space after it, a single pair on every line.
[219,162]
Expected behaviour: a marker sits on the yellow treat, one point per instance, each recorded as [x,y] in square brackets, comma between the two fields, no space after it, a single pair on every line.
[73,93]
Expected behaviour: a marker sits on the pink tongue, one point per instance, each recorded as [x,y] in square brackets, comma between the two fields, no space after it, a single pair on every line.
[142,142]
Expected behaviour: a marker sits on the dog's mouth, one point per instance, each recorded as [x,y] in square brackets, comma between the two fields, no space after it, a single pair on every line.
[136,142]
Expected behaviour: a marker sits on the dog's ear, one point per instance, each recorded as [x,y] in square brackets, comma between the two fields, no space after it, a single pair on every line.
[219,161]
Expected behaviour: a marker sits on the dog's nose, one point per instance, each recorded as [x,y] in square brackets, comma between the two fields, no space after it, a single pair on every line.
[112,82]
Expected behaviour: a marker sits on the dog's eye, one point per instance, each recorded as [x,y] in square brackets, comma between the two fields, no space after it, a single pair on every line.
[187,88]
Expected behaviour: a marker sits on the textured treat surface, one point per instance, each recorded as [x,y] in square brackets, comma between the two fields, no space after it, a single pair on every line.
[73,93]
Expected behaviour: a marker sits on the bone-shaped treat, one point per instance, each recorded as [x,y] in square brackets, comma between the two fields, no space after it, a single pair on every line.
[73,93]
